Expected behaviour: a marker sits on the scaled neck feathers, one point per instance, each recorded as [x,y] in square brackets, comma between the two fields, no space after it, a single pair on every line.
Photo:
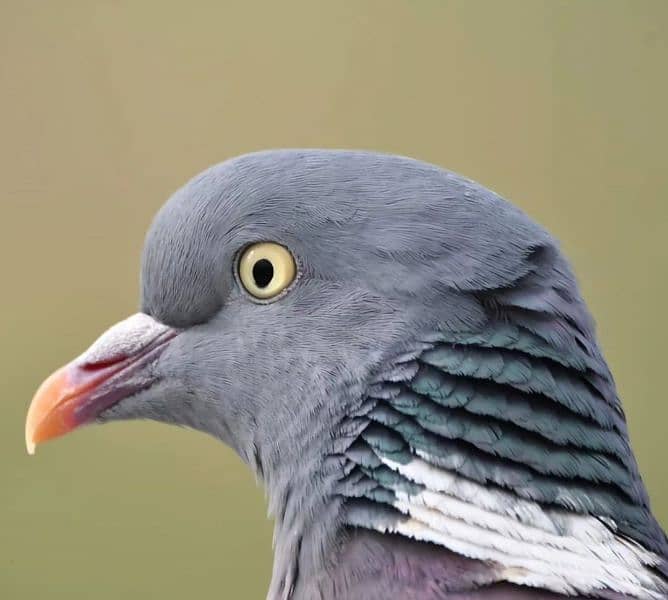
[508,444]
[504,446]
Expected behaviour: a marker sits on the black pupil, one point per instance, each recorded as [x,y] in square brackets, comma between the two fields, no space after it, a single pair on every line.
[263,273]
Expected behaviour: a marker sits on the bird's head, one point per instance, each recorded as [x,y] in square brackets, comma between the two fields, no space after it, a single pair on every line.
[278,285]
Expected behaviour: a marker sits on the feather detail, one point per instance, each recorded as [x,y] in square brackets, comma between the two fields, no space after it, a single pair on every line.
[506,448]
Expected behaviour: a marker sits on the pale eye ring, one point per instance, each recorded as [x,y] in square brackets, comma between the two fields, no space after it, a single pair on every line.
[266,269]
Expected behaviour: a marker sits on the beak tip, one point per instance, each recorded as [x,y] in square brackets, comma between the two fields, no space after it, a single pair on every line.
[30,439]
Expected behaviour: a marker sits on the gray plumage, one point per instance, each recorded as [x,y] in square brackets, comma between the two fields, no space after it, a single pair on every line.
[434,341]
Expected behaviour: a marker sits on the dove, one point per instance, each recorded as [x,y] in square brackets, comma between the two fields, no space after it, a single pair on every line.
[405,361]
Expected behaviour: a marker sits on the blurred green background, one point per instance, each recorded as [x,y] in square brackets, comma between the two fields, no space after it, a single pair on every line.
[108,106]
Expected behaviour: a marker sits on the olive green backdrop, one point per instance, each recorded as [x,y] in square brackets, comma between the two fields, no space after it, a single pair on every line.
[107,107]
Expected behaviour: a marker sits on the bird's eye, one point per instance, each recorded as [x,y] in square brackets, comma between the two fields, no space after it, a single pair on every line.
[266,269]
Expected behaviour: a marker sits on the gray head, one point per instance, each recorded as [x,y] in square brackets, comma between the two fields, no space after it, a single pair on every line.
[388,251]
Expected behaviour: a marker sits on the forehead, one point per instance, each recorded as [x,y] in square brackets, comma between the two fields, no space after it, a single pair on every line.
[285,195]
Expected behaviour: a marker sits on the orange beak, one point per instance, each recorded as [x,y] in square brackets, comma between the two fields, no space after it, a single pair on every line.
[118,365]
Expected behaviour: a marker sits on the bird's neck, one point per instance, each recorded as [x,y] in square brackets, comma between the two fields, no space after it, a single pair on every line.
[320,555]
[304,492]
[304,531]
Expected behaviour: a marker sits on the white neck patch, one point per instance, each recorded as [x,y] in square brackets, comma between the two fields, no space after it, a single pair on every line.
[546,548]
